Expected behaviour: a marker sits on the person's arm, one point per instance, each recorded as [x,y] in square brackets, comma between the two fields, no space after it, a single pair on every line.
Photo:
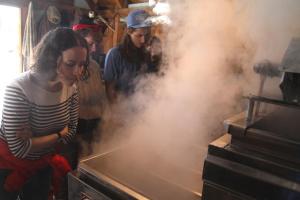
[74,115]
[15,124]
[39,143]
[64,135]
[110,91]
[110,74]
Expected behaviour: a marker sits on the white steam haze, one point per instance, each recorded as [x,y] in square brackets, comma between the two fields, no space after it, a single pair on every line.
[211,48]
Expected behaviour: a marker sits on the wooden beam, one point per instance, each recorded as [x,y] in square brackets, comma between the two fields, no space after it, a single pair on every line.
[119,3]
[116,33]
[138,1]
[123,12]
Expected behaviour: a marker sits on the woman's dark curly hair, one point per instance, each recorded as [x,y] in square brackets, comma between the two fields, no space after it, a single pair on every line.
[52,45]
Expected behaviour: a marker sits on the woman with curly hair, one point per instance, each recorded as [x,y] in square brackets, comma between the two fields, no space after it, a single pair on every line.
[40,111]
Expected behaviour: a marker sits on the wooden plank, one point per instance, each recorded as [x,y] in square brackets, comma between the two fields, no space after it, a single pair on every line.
[116,33]
[123,12]
[111,4]
[119,3]
[110,13]
[138,1]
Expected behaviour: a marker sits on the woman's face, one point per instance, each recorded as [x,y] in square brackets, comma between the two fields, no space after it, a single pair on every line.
[139,36]
[92,41]
[71,65]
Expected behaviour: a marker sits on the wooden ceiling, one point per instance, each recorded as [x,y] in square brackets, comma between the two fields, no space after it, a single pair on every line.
[104,4]
[138,1]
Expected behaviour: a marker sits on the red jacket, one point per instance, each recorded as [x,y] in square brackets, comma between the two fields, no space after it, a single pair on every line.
[23,169]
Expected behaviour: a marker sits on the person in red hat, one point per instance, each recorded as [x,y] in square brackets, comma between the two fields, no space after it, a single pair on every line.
[92,95]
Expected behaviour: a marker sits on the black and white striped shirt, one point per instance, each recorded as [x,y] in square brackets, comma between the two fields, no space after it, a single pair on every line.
[26,103]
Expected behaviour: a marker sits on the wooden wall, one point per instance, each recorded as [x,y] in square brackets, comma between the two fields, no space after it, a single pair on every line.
[23,4]
[112,15]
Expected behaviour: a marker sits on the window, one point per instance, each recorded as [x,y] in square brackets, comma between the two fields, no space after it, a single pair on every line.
[10,48]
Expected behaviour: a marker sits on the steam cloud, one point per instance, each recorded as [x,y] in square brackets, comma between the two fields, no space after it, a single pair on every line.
[211,48]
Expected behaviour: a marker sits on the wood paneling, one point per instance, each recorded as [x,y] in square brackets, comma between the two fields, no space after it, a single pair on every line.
[138,1]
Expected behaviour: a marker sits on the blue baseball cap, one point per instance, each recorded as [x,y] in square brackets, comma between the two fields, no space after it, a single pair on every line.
[138,19]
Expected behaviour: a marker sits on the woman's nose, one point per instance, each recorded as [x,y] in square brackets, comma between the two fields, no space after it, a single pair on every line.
[78,70]
[93,48]
[143,39]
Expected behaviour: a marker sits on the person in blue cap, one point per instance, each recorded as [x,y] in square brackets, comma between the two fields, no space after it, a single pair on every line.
[126,61]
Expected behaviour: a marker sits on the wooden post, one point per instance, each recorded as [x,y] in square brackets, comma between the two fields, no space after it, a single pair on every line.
[116,33]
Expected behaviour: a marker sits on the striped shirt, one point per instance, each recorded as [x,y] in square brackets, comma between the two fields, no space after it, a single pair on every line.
[27,104]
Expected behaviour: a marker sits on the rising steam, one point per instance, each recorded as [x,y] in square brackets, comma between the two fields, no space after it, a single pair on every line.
[211,48]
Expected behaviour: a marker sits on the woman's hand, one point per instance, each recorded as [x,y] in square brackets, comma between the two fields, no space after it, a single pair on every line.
[64,132]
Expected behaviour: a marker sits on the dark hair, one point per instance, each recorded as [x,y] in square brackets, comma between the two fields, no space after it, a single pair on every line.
[51,47]
[130,52]
[152,40]
[153,62]
[84,32]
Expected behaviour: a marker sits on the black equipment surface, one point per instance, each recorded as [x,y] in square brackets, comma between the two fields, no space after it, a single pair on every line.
[257,159]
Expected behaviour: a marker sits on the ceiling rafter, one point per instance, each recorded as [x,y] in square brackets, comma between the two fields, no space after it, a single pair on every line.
[138,1]
[119,3]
